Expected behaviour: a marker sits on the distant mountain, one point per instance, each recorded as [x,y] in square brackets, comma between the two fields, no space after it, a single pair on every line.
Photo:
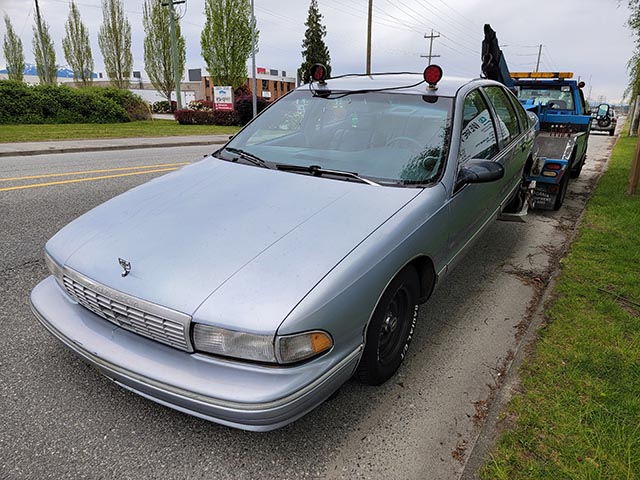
[31,69]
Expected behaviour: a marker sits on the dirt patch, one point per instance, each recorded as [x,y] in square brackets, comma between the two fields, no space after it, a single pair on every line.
[459,451]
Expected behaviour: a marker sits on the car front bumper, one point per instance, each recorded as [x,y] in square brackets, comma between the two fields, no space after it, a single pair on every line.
[240,395]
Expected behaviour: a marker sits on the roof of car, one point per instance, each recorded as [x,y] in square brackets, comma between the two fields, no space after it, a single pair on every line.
[447,87]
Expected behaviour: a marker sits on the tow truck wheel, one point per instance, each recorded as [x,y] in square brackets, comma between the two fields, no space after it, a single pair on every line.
[564,185]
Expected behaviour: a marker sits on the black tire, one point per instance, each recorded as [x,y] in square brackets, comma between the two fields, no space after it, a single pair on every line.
[564,186]
[391,329]
[611,132]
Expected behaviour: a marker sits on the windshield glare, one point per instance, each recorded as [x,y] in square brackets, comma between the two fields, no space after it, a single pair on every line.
[558,97]
[388,137]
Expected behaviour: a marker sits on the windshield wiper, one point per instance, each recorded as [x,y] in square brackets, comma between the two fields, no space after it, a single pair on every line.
[249,157]
[318,171]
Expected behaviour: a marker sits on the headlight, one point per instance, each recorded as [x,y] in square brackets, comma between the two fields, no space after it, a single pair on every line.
[54,267]
[261,348]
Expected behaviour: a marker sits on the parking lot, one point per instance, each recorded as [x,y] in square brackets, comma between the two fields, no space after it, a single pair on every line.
[61,419]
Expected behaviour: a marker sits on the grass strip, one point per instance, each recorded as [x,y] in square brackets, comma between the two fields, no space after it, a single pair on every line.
[77,131]
[578,416]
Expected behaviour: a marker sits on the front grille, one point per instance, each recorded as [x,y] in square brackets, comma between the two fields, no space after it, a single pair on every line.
[144,318]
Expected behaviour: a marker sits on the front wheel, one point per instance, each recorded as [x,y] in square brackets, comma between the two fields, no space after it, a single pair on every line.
[391,329]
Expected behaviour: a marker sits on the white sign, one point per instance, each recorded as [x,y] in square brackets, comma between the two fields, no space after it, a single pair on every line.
[223,98]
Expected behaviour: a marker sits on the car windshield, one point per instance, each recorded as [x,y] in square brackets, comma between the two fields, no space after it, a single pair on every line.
[558,97]
[391,138]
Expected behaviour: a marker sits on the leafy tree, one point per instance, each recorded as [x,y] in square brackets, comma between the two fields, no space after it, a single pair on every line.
[45,53]
[76,46]
[633,89]
[226,40]
[13,52]
[314,50]
[158,59]
[115,43]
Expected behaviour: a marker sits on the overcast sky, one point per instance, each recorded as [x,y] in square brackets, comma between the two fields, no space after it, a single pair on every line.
[587,37]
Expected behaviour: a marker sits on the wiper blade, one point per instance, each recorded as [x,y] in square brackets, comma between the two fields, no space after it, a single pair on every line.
[318,171]
[249,157]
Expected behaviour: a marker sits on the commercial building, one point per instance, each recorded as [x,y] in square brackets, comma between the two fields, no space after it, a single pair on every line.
[271,84]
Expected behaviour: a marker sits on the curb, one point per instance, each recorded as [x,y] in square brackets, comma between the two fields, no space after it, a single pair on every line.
[24,153]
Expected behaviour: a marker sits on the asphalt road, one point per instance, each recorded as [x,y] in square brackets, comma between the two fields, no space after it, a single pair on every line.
[61,419]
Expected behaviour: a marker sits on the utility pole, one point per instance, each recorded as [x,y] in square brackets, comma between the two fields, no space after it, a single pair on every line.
[254,95]
[539,56]
[45,60]
[174,49]
[431,38]
[369,37]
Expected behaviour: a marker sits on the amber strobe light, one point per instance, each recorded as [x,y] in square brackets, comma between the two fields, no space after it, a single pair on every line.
[432,74]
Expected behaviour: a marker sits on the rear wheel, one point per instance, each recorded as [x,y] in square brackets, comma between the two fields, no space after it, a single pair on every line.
[390,329]
[611,132]
[562,192]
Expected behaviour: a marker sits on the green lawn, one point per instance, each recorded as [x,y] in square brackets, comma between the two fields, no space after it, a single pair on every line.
[146,128]
[579,414]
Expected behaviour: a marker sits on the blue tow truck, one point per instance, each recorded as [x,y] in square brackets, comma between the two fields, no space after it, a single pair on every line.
[560,148]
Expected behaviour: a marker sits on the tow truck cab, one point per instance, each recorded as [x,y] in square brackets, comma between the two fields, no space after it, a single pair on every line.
[561,145]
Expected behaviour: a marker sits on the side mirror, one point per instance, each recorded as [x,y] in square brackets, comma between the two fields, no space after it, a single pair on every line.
[479,171]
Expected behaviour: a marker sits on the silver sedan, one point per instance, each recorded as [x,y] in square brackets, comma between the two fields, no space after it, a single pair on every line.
[248,287]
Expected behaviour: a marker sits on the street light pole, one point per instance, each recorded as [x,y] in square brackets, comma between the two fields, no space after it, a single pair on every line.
[254,96]
[369,37]
[174,52]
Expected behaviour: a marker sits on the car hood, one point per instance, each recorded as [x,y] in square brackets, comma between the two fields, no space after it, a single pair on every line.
[266,236]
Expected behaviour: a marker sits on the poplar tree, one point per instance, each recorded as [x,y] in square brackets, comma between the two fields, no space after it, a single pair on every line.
[76,46]
[158,60]
[114,40]
[45,53]
[314,50]
[226,40]
[13,52]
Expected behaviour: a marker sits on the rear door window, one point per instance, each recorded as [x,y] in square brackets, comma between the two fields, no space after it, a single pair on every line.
[478,137]
[507,123]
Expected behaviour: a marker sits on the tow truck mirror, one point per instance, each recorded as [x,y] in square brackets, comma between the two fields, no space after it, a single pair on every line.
[603,110]
[479,171]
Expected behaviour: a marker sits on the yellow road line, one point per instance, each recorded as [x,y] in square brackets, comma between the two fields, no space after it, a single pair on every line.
[48,175]
[77,180]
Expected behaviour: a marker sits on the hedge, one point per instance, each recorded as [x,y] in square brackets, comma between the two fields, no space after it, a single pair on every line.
[201,117]
[22,103]
[244,107]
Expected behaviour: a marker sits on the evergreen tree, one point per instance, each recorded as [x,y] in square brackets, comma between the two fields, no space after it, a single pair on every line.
[158,59]
[45,53]
[13,52]
[226,40]
[76,46]
[115,43]
[314,50]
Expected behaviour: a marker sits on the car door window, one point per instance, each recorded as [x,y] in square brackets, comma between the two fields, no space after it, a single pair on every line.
[520,112]
[507,123]
[478,137]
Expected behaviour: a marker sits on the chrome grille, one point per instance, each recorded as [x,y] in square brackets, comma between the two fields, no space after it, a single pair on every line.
[144,318]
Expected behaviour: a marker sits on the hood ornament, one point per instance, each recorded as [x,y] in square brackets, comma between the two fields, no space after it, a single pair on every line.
[126,266]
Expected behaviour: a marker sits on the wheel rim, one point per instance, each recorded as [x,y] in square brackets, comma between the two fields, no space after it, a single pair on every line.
[395,323]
